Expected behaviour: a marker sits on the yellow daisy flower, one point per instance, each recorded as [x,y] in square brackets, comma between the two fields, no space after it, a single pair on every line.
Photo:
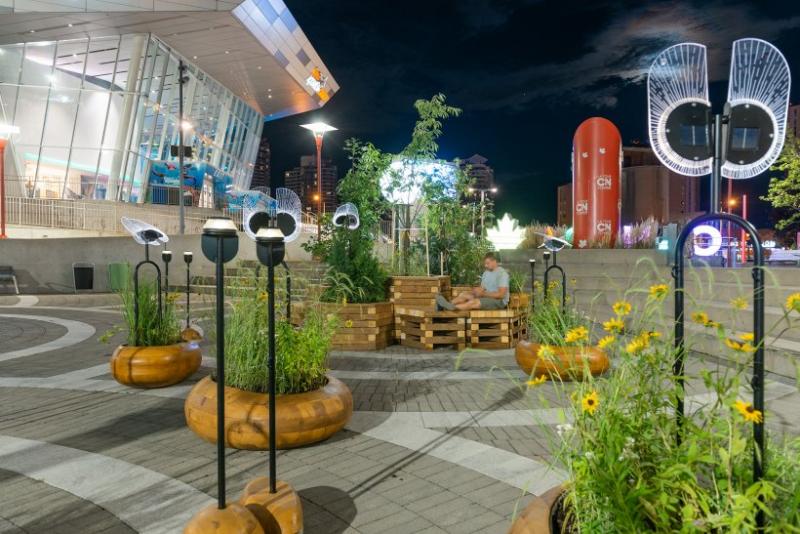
[638,344]
[739,303]
[533,382]
[615,325]
[263,296]
[739,346]
[622,308]
[605,342]
[748,337]
[793,302]
[348,324]
[545,352]
[590,402]
[658,291]
[748,412]
[574,335]
[653,334]
[700,318]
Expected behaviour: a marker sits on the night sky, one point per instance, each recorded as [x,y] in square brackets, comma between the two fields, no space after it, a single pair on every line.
[526,74]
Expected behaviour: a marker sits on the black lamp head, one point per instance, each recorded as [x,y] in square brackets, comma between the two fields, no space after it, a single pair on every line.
[222,228]
[546,255]
[270,246]
[151,236]
[187,257]
[166,256]
[532,261]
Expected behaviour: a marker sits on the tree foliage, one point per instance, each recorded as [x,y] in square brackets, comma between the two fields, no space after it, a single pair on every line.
[784,192]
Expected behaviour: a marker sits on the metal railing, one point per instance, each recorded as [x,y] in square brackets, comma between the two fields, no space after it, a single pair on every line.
[100,216]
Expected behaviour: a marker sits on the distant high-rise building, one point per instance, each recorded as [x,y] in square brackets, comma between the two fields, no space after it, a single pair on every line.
[564,214]
[481,175]
[303,181]
[261,170]
[793,121]
[649,189]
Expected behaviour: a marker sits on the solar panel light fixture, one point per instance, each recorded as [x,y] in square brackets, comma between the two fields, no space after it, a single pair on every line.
[224,229]
[270,247]
[741,142]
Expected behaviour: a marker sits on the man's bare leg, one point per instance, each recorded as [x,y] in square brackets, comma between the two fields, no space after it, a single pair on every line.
[473,304]
[463,297]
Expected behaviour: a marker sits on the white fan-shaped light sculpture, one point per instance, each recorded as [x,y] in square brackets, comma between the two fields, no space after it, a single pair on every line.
[346,215]
[758,93]
[256,206]
[553,243]
[289,212]
[144,233]
[677,87]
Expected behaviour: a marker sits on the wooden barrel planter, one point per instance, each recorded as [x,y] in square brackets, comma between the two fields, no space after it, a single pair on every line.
[155,367]
[566,362]
[303,418]
[538,517]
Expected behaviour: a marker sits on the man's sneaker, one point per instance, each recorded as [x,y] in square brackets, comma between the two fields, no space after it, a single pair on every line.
[444,304]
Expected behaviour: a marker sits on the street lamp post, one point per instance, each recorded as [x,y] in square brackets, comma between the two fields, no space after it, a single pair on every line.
[319,129]
[6,131]
[483,192]
[182,125]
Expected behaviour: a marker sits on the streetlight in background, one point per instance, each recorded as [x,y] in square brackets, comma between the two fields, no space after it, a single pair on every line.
[6,131]
[483,192]
[319,129]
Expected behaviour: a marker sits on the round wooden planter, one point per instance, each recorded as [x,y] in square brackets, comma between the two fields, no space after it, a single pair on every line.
[303,418]
[567,362]
[537,517]
[155,367]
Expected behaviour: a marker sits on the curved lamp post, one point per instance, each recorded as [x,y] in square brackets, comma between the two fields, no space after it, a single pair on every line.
[319,129]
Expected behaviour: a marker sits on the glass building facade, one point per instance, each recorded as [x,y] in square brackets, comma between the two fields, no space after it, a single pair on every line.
[97,118]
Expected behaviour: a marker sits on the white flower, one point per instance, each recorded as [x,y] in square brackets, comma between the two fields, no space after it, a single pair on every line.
[564,429]
[589,455]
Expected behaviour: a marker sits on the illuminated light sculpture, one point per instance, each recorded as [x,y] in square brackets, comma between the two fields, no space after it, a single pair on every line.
[507,235]
[596,171]
[347,216]
[677,97]
[758,95]
[553,243]
[706,247]
[288,211]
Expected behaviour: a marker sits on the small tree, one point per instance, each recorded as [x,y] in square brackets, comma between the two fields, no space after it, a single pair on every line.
[354,272]
[784,193]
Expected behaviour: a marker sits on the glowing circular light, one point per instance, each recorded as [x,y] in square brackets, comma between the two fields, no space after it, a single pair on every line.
[710,248]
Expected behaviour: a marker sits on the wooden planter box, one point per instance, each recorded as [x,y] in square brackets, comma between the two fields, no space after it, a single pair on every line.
[155,367]
[496,329]
[568,363]
[363,326]
[425,329]
[537,517]
[519,301]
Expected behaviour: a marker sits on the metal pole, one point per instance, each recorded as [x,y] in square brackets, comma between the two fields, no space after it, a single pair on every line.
[716,170]
[318,139]
[271,365]
[188,284]
[182,209]
[3,189]
[483,213]
[533,282]
[220,376]
[744,237]
[288,291]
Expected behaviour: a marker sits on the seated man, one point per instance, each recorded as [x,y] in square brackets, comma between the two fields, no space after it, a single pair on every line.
[491,295]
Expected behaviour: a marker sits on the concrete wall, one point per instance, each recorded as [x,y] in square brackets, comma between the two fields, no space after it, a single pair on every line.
[45,265]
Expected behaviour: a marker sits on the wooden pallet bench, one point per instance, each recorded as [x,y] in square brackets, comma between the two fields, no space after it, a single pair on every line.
[428,330]
[496,329]
[363,326]
[418,291]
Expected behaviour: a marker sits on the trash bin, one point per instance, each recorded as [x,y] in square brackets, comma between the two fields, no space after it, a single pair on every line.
[119,276]
[83,276]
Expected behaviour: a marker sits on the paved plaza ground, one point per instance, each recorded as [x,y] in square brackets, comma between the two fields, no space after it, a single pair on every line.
[431,448]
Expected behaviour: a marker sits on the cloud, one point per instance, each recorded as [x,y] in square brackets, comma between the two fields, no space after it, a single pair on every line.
[620,54]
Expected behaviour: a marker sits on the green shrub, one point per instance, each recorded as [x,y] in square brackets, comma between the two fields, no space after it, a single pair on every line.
[154,329]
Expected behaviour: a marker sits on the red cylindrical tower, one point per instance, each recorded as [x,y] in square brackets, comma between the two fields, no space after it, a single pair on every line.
[596,170]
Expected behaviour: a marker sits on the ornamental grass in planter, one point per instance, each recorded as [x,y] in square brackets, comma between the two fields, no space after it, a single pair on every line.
[153,355]
[626,472]
[311,405]
[560,344]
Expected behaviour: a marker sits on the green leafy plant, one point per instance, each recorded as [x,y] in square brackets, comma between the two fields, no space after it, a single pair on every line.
[784,192]
[301,352]
[354,271]
[548,323]
[154,329]
[617,443]
[516,281]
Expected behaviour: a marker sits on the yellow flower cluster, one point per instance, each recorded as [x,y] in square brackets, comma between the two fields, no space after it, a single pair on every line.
[173,297]
[658,291]
[533,382]
[348,324]
[793,302]
[262,296]
[605,342]
[614,325]
[577,334]
[702,318]
[739,303]
[743,344]
[748,412]
[622,308]
[545,352]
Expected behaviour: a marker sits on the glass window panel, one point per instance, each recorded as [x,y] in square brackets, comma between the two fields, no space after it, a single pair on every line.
[82,172]
[31,107]
[112,121]
[10,68]
[37,67]
[103,172]
[100,63]
[52,171]
[92,110]
[61,110]
[70,60]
